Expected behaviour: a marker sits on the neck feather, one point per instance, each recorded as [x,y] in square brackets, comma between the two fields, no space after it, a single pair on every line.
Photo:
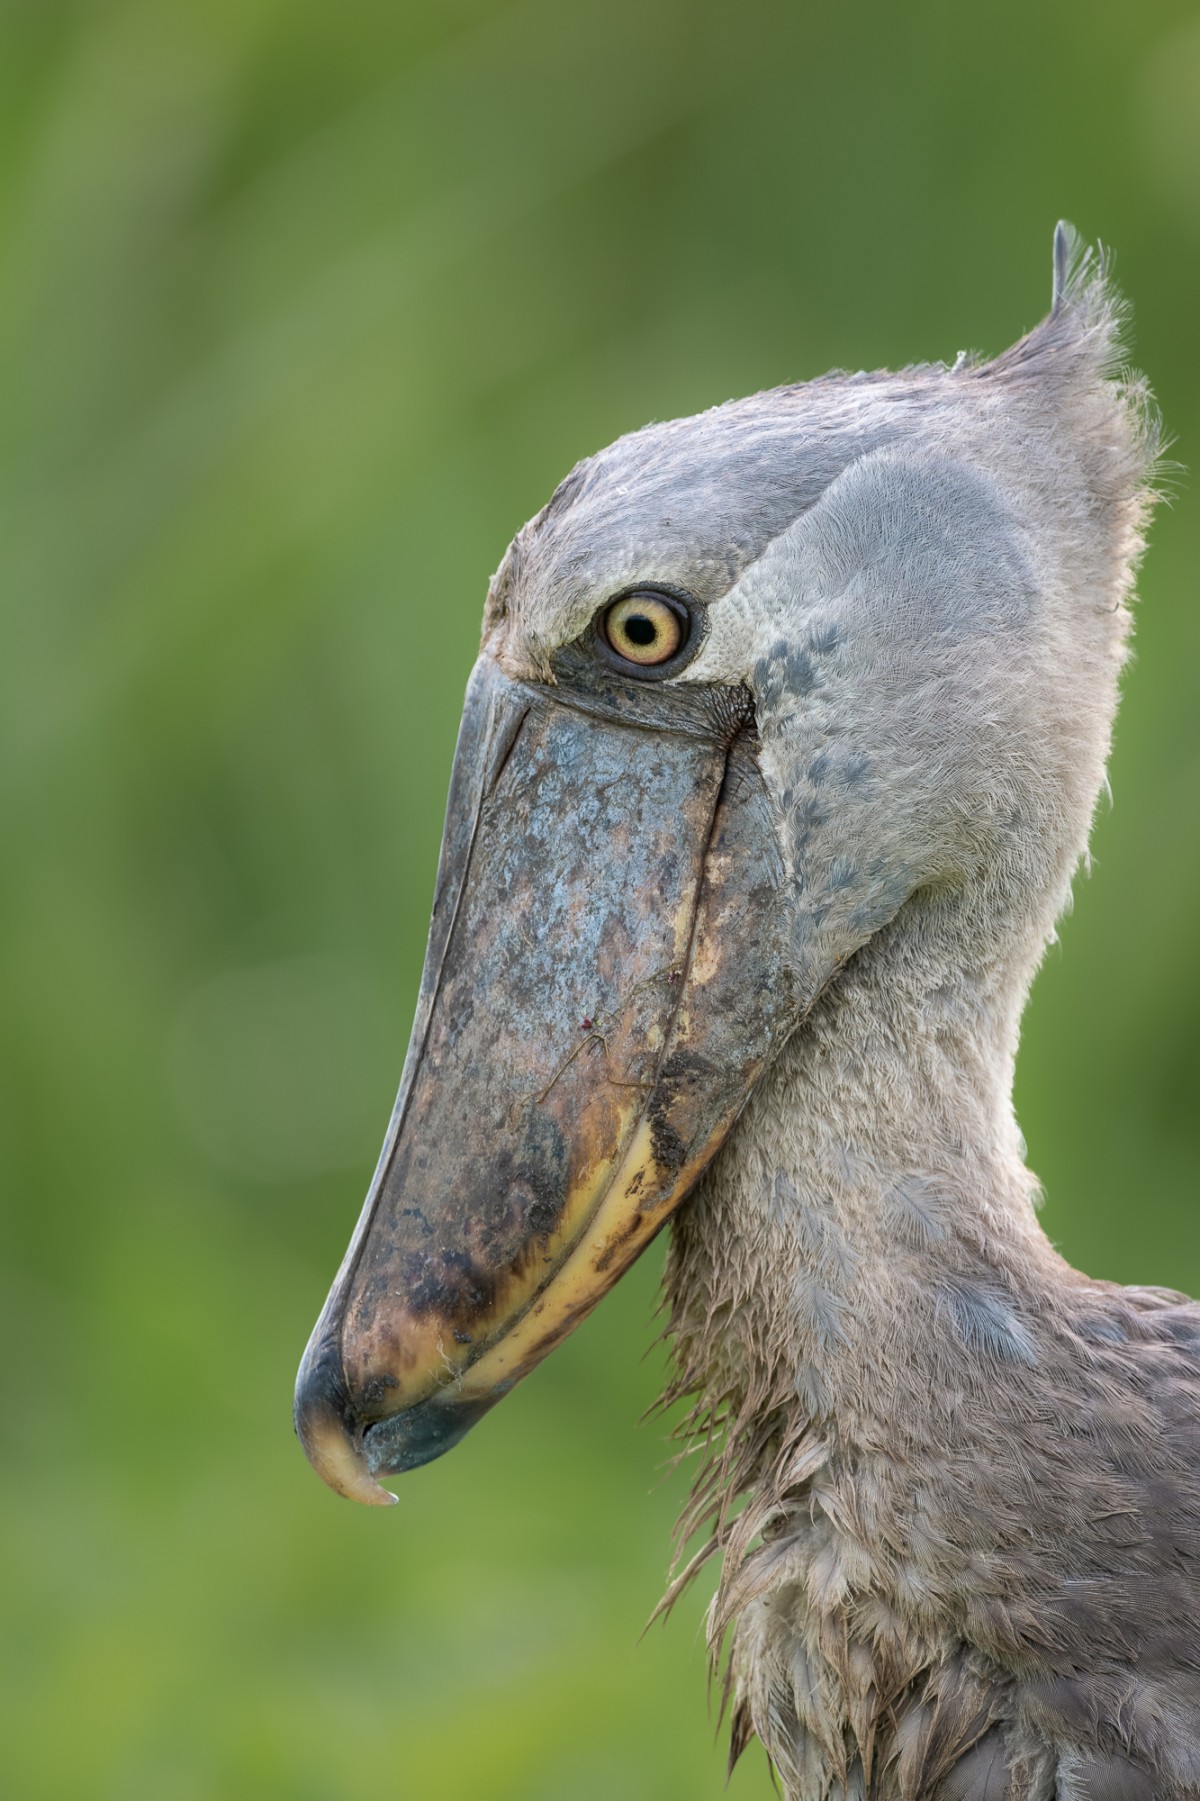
[863,1256]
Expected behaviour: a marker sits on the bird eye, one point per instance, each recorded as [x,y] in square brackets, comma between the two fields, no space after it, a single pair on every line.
[646,628]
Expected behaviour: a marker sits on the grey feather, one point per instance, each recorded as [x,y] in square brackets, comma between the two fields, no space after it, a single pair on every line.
[981,1774]
[1108,1779]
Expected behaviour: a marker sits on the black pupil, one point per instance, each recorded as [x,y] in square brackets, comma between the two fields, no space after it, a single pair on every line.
[640,630]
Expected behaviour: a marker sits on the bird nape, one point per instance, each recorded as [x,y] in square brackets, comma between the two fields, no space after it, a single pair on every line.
[779,755]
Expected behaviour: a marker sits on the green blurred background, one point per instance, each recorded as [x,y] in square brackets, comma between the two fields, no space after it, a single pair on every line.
[304,309]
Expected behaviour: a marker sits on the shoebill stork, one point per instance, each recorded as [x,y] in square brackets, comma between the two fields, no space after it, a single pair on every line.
[779,755]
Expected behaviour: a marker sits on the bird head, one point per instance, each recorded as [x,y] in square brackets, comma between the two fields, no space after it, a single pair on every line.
[755,687]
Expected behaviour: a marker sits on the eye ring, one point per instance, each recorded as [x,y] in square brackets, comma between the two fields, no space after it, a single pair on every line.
[648,633]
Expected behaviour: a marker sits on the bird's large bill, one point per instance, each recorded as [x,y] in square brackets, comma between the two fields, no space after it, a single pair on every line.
[601,990]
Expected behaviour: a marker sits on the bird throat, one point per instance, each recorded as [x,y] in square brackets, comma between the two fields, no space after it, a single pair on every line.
[852,1276]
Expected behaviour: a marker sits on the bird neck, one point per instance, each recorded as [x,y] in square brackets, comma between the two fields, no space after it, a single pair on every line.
[864,1252]
[866,1318]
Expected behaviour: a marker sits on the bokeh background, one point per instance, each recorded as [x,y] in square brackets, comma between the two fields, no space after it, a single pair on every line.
[303,309]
